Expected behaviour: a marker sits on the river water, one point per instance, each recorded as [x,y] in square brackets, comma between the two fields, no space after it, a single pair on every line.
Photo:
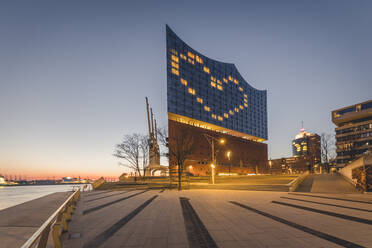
[14,195]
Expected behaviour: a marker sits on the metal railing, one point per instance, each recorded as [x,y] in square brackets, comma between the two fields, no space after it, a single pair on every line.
[57,222]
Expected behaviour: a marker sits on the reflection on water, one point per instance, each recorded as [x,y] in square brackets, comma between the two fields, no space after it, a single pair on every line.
[11,196]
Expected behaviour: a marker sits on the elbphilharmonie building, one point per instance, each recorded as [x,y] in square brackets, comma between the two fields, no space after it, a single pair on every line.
[211,97]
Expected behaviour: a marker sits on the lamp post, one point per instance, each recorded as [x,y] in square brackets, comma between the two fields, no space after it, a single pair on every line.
[213,166]
[228,154]
[211,140]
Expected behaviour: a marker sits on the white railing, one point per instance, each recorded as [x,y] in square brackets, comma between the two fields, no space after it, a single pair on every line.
[57,222]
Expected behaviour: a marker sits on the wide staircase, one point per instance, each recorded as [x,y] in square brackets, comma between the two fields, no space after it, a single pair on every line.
[326,183]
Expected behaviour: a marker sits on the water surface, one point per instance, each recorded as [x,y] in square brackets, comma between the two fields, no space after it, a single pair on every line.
[14,195]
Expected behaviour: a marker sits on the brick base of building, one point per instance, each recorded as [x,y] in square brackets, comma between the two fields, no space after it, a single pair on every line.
[246,156]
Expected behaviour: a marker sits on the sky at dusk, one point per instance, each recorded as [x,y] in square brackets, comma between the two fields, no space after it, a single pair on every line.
[74,74]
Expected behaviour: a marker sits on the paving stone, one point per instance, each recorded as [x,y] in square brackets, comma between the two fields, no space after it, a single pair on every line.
[161,223]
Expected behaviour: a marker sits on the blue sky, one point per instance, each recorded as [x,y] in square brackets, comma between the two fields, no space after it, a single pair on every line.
[74,74]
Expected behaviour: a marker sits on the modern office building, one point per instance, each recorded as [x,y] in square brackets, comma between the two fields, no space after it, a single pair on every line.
[353,131]
[307,144]
[208,97]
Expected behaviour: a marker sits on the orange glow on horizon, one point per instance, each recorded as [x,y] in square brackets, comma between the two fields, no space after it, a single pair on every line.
[31,172]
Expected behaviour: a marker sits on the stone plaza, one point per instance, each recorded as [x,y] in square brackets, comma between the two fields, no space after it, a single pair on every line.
[220,218]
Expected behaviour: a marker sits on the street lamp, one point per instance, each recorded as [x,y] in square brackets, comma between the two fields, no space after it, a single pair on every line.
[211,140]
[228,154]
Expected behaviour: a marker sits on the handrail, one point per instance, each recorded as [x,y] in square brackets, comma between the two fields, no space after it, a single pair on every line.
[43,231]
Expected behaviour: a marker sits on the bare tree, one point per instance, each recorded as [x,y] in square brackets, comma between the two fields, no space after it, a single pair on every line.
[144,150]
[163,140]
[132,150]
[327,148]
[181,145]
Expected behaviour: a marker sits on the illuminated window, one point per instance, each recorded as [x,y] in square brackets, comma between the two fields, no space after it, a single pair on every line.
[183,81]
[175,71]
[214,116]
[206,108]
[213,84]
[206,69]
[220,118]
[225,80]
[241,107]
[199,60]
[226,115]
[199,100]
[191,91]
[240,89]
[246,105]
[219,87]
[213,79]
[245,95]
[245,100]
[236,110]
[218,81]
[236,81]
[175,58]
[191,61]
[231,112]
[173,51]
[230,78]
[175,65]
[182,56]
[191,55]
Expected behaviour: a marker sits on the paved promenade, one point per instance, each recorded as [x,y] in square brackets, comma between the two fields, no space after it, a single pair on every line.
[18,223]
[220,218]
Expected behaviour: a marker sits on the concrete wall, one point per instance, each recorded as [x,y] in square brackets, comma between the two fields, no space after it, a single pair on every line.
[359,172]
[347,171]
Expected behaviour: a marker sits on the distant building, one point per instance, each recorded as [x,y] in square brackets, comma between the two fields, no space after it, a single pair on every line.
[2,180]
[70,180]
[307,144]
[291,165]
[353,131]
[306,155]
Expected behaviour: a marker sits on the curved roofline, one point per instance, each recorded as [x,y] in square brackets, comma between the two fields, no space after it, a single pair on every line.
[231,64]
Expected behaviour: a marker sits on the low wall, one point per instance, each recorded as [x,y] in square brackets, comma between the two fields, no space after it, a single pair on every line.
[295,183]
[98,183]
[359,173]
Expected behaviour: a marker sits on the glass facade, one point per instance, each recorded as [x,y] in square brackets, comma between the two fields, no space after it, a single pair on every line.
[211,91]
